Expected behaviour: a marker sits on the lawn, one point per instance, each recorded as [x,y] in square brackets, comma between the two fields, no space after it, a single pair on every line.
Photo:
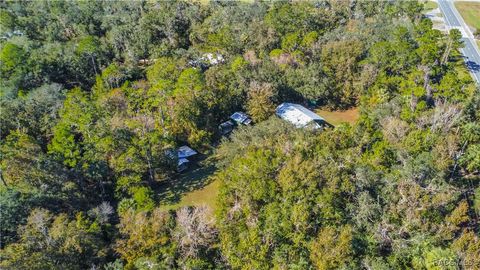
[429,5]
[338,117]
[193,187]
[203,196]
[470,12]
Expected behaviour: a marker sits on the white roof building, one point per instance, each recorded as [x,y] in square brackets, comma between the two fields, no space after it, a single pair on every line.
[299,116]
[213,59]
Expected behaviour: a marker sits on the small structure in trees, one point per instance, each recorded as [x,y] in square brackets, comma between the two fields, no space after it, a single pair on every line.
[213,58]
[207,60]
[226,127]
[236,119]
[300,116]
[183,154]
[241,118]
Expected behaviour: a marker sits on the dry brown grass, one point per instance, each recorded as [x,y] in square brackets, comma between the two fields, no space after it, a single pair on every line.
[338,117]
[470,12]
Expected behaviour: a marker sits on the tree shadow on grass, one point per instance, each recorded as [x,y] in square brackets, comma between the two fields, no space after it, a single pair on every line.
[195,177]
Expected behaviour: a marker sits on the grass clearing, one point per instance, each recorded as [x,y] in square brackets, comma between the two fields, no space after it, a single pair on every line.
[470,12]
[203,196]
[429,5]
[193,187]
[338,117]
[196,186]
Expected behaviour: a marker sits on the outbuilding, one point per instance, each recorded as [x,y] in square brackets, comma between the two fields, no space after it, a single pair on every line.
[300,116]
[241,118]
[185,152]
[213,58]
[226,127]
[184,156]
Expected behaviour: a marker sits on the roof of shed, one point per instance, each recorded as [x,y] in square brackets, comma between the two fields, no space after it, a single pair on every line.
[239,117]
[185,151]
[297,114]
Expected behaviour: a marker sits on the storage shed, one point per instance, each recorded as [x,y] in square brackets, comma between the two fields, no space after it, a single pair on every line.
[241,118]
[185,152]
[226,127]
[299,116]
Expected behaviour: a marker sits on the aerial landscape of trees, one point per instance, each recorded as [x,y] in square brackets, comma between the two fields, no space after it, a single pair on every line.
[96,94]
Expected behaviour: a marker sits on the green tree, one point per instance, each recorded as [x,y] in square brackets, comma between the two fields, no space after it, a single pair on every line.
[12,59]
[145,235]
[89,47]
[261,100]
[26,167]
[74,130]
[332,248]
[14,211]
[56,242]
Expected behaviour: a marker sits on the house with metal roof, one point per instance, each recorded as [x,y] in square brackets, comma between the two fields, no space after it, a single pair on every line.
[181,155]
[300,116]
[185,152]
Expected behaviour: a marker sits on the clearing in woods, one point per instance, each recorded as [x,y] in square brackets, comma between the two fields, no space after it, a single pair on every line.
[196,187]
[337,117]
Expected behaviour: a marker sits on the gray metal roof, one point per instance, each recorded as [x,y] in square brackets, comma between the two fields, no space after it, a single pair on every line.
[240,117]
[185,151]
[182,161]
[297,114]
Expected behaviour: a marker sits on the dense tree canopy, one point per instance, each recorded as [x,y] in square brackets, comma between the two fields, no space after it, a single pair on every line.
[96,95]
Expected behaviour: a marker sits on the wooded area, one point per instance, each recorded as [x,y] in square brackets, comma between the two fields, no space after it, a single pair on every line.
[95,94]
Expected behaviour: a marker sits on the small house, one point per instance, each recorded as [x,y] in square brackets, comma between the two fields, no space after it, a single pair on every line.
[300,116]
[185,152]
[182,154]
[241,118]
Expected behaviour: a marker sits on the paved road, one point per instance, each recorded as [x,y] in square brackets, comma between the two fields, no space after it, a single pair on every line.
[470,51]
